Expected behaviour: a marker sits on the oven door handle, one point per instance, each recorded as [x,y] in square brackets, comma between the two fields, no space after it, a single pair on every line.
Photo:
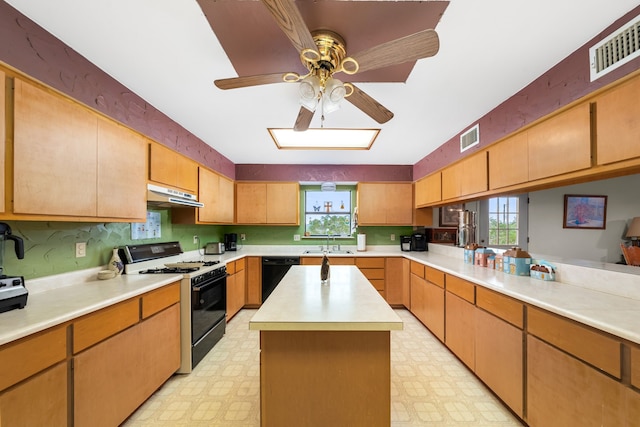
[208,285]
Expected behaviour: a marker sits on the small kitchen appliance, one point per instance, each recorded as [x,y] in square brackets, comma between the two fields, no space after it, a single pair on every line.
[419,242]
[214,248]
[13,293]
[405,243]
[231,242]
[466,228]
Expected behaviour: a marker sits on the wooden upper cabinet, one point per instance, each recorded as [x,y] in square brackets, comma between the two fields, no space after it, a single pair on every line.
[618,123]
[3,133]
[469,176]
[509,161]
[171,168]
[55,154]
[428,190]
[122,171]
[385,203]
[560,144]
[216,192]
[268,203]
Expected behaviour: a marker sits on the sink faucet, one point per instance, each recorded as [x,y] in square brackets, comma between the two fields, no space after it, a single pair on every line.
[327,240]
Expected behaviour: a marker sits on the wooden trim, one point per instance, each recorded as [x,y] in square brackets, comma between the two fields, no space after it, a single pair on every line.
[582,342]
[31,355]
[159,299]
[98,326]
[434,276]
[461,288]
[501,306]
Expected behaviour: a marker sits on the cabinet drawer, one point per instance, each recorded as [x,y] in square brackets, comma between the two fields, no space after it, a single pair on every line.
[501,306]
[367,262]
[635,366]
[231,267]
[591,346]
[32,355]
[158,300]
[240,264]
[461,288]
[373,273]
[434,276]
[339,261]
[95,327]
[378,284]
[417,269]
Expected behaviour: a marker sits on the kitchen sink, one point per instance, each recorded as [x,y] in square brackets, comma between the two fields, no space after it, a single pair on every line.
[334,252]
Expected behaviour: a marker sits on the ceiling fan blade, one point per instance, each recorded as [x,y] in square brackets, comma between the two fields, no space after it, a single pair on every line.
[238,82]
[304,120]
[369,106]
[410,48]
[291,23]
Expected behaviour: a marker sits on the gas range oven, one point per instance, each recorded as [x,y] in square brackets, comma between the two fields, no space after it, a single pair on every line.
[203,295]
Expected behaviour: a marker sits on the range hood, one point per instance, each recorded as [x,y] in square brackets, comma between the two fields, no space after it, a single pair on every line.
[163,197]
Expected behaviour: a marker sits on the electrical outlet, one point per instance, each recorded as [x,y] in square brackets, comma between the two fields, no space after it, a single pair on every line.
[81,249]
[393,237]
[195,240]
[243,236]
[296,237]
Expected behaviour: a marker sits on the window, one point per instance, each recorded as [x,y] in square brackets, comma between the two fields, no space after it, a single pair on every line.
[503,222]
[327,212]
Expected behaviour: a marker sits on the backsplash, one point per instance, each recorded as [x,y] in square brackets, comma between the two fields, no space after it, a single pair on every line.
[49,247]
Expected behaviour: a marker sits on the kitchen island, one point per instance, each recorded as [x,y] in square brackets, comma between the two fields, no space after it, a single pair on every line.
[325,354]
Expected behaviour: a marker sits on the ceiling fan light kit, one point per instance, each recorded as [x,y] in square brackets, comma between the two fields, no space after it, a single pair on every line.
[324,52]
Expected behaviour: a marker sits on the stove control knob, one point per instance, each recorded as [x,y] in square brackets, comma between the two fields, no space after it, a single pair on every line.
[17,282]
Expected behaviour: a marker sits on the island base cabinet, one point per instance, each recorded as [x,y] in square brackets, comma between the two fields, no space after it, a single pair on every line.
[38,401]
[563,391]
[499,359]
[114,377]
[325,378]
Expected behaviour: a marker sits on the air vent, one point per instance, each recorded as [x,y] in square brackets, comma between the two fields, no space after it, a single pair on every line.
[615,50]
[470,138]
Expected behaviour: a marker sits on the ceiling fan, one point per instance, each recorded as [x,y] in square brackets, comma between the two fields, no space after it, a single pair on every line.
[323,53]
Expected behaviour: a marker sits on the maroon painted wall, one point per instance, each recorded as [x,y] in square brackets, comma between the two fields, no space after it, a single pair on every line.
[30,49]
[319,173]
[561,85]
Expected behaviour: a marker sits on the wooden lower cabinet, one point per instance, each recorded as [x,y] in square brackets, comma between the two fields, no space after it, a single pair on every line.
[396,274]
[374,270]
[253,297]
[499,349]
[460,318]
[38,401]
[236,287]
[563,391]
[114,377]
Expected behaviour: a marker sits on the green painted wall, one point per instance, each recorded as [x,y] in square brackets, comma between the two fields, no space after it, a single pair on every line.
[50,246]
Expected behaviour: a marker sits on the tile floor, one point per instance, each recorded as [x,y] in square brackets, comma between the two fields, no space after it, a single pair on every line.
[429,386]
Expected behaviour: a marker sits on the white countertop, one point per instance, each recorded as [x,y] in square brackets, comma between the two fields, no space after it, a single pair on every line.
[56,306]
[347,302]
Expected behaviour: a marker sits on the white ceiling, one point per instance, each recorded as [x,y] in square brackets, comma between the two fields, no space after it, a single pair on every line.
[166,52]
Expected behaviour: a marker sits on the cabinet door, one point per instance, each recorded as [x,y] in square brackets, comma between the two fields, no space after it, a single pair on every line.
[618,123]
[122,172]
[395,275]
[418,297]
[406,283]
[216,192]
[499,359]
[398,203]
[509,161]
[371,199]
[171,168]
[254,281]
[560,144]
[428,190]
[283,203]
[55,154]
[38,401]
[434,309]
[186,173]
[460,327]
[474,174]
[562,391]
[251,203]
[226,198]
[3,141]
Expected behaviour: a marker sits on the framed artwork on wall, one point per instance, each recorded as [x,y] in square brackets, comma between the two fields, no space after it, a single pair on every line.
[449,215]
[585,211]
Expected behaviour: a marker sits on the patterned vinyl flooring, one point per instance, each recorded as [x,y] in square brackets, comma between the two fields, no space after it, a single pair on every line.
[429,386]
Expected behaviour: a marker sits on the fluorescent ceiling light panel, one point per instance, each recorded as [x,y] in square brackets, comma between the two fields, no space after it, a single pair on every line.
[324,139]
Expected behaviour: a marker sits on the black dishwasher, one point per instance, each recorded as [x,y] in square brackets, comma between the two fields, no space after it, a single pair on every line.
[273,270]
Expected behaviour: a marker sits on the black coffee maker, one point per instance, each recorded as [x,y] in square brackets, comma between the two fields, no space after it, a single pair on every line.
[231,242]
[13,293]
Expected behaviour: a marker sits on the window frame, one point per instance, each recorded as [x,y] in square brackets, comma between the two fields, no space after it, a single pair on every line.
[523,222]
[309,211]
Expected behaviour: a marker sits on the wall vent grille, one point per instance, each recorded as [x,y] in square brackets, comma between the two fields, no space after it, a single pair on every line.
[470,138]
[615,50]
